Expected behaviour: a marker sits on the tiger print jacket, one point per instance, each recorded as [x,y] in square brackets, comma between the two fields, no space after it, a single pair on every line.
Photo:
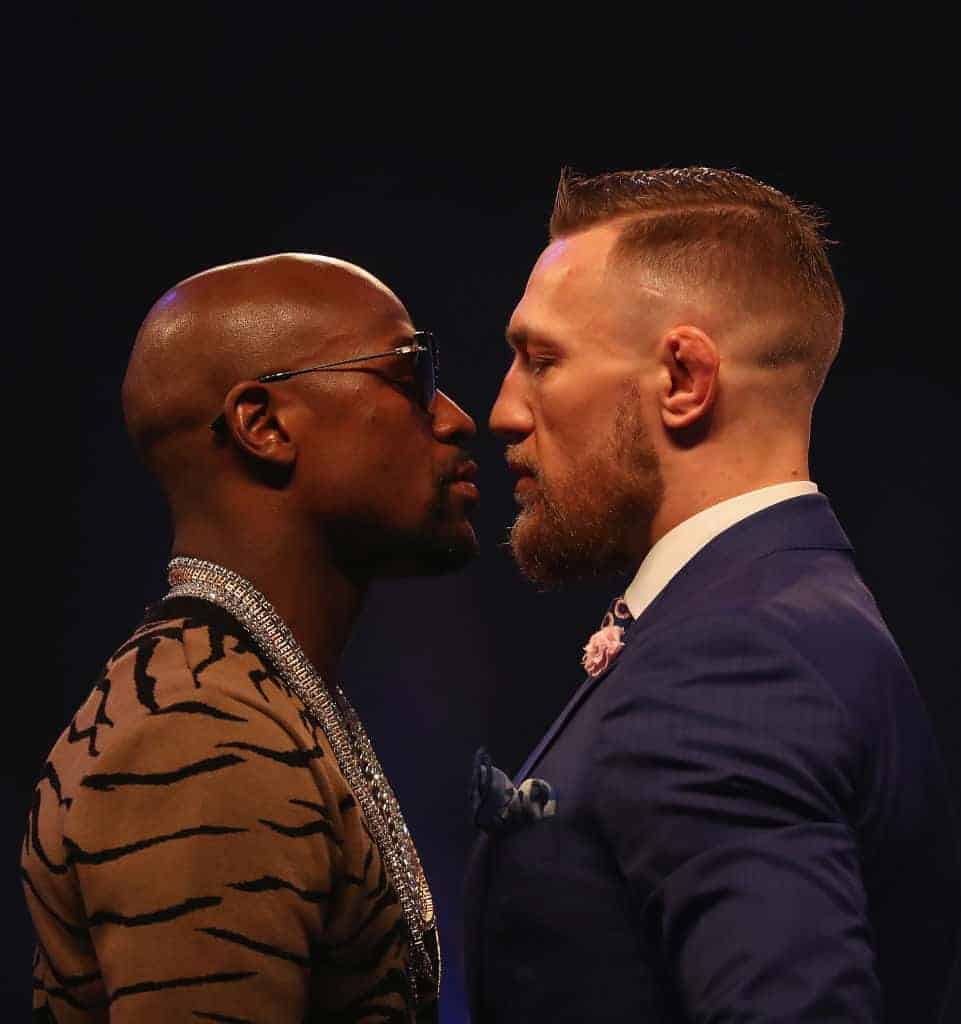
[193,852]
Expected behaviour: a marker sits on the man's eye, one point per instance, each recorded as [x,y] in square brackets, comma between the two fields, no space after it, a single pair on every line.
[539,364]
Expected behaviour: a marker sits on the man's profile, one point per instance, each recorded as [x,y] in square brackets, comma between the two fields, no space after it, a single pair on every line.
[740,814]
[213,837]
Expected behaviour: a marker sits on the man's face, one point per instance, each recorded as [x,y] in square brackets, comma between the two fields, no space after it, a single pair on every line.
[572,408]
[390,480]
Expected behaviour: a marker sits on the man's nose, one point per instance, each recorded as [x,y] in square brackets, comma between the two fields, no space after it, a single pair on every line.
[450,422]
[511,418]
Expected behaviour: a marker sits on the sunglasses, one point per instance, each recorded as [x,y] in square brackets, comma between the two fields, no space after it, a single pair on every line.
[421,346]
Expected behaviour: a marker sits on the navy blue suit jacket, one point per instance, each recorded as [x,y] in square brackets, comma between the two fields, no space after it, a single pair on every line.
[752,817]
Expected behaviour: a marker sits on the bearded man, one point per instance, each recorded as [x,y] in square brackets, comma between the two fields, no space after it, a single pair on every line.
[213,838]
[740,814]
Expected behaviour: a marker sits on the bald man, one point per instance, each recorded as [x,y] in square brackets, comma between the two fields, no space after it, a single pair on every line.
[213,838]
[741,813]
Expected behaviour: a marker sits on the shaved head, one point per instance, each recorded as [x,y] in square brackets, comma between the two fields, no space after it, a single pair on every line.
[346,463]
[237,322]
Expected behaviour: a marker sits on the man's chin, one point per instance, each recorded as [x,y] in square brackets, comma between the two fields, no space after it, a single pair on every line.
[549,555]
[451,554]
[436,555]
[533,555]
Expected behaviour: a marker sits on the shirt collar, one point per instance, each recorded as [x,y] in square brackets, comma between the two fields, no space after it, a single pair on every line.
[678,546]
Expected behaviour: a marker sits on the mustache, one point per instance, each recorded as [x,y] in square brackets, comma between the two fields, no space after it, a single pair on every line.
[521,463]
[462,467]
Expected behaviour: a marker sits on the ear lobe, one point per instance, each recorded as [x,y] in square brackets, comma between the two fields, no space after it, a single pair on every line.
[692,362]
[256,423]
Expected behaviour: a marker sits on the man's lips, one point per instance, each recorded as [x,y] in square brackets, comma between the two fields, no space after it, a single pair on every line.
[465,471]
[526,478]
[525,486]
[463,480]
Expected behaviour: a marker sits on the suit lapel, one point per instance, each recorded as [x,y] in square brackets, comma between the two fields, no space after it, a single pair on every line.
[806,522]
[580,695]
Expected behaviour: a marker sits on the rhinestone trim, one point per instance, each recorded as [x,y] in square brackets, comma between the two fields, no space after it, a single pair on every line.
[194,577]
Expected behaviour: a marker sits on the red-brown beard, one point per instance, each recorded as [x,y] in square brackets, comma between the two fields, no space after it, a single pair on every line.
[597,518]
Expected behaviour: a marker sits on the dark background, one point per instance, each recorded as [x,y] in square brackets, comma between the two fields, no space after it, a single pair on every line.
[424,142]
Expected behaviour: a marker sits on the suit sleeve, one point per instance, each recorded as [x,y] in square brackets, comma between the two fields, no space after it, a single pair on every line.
[204,853]
[726,773]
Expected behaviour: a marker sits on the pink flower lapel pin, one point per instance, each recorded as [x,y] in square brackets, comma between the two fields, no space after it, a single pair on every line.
[602,648]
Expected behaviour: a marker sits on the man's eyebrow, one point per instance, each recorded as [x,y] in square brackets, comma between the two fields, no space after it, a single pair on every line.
[520,339]
[402,339]
[399,359]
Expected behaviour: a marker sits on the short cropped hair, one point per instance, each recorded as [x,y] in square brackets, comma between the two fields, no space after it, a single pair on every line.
[722,229]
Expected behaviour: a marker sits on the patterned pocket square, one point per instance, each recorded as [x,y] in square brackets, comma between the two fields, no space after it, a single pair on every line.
[499,805]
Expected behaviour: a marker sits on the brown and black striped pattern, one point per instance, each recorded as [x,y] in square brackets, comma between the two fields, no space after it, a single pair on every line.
[193,852]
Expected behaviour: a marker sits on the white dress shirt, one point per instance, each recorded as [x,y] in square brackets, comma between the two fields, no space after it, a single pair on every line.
[678,546]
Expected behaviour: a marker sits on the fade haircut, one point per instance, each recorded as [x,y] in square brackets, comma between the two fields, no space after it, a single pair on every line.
[719,229]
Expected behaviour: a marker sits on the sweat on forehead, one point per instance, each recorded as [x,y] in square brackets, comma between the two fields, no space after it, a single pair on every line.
[260,304]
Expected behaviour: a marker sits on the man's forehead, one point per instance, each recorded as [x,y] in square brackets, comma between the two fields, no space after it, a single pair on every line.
[554,257]
[376,332]
[288,279]
[577,281]
[570,270]
[558,297]
[285,324]
[574,261]
[253,317]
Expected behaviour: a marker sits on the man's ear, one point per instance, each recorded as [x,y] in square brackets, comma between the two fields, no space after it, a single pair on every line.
[257,423]
[691,362]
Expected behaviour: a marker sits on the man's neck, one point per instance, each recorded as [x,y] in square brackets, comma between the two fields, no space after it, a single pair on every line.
[317,600]
[695,493]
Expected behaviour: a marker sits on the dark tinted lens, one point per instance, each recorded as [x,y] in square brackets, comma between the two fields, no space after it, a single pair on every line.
[426,368]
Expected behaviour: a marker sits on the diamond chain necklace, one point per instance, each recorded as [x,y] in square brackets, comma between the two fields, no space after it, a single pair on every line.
[194,577]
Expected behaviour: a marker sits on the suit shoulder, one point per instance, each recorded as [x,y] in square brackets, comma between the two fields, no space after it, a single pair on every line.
[808,601]
[819,605]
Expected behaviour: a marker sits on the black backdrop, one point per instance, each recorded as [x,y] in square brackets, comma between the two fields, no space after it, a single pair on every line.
[424,143]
